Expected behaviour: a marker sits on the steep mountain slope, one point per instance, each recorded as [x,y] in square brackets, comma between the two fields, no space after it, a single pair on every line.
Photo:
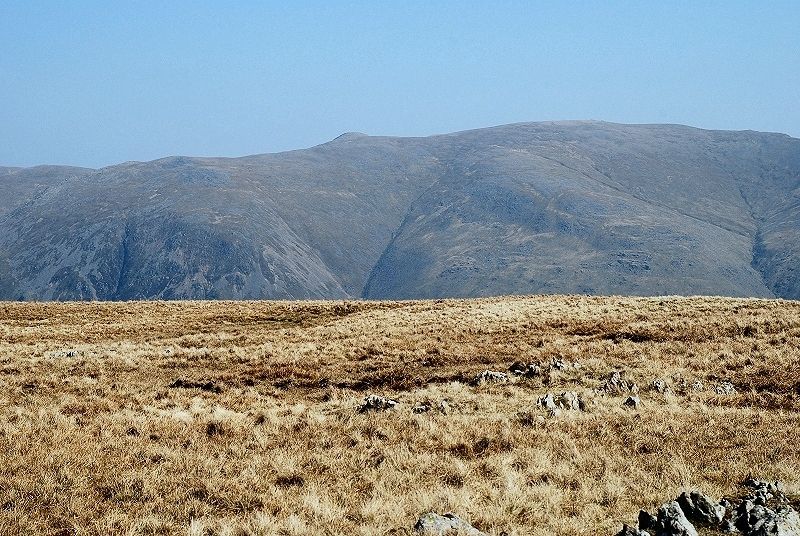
[587,207]
[602,209]
[18,185]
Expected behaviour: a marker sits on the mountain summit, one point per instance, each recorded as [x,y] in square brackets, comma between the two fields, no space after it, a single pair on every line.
[558,207]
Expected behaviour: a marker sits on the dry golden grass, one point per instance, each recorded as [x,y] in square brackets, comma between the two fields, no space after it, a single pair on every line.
[261,435]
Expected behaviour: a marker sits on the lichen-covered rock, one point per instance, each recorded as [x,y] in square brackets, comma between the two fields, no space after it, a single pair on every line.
[433,524]
[767,522]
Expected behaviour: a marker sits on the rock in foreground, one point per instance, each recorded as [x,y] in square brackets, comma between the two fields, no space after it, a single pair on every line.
[433,524]
[763,511]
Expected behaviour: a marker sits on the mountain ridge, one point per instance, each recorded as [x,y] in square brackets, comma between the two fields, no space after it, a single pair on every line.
[547,207]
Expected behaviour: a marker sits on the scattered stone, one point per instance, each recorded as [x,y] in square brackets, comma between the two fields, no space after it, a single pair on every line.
[527,370]
[568,400]
[547,401]
[433,524]
[660,386]
[444,407]
[422,408]
[725,388]
[207,385]
[490,376]
[616,385]
[697,385]
[632,402]
[376,403]
[558,364]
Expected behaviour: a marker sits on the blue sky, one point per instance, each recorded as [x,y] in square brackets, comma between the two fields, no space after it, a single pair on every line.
[96,83]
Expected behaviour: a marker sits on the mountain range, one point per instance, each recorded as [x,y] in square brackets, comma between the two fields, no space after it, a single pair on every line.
[584,207]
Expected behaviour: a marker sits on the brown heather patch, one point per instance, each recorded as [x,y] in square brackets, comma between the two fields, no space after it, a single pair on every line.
[240,417]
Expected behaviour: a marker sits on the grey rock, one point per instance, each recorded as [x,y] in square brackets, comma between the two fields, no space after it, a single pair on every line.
[660,386]
[433,524]
[421,408]
[376,403]
[699,508]
[547,401]
[627,530]
[783,522]
[725,388]
[616,385]
[647,520]
[672,521]
[527,370]
[632,402]
[569,400]
[490,376]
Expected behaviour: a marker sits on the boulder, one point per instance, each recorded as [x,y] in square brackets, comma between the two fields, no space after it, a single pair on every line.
[672,521]
[433,524]
[767,522]
[647,521]
[700,509]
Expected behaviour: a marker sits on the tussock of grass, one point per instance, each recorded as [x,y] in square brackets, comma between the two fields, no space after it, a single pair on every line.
[241,418]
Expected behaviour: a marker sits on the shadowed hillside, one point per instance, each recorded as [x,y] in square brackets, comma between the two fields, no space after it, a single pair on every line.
[578,207]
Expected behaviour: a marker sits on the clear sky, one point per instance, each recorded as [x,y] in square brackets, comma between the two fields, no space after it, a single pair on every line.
[96,82]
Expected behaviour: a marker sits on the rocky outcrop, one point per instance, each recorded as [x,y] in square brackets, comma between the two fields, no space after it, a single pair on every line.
[763,511]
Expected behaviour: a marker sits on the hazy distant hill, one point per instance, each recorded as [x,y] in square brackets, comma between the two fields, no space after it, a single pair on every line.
[587,207]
